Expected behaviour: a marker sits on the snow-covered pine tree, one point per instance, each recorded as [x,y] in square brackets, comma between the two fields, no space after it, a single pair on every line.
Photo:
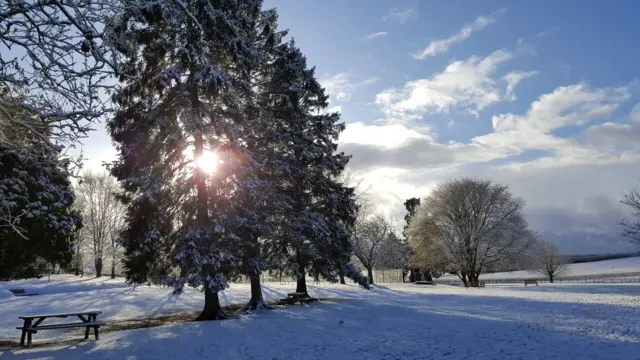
[340,214]
[312,227]
[181,100]
[37,199]
[254,210]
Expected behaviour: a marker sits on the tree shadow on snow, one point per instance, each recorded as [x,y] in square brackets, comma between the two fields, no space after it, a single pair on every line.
[422,327]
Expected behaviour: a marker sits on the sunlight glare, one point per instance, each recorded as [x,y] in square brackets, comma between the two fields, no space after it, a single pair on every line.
[208,162]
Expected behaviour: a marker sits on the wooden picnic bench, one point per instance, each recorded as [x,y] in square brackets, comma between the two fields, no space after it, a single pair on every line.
[21,292]
[32,324]
[531,281]
[295,297]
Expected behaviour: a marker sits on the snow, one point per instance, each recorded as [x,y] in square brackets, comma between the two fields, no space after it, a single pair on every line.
[402,321]
[589,269]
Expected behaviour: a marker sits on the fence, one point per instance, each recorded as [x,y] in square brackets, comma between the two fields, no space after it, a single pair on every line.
[582,280]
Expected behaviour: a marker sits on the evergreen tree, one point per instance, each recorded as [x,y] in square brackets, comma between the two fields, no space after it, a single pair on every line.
[412,205]
[256,211]
[35,193]
[178,103]
[314,226]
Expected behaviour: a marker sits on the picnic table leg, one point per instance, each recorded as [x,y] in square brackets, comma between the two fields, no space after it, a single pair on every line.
[27,324]
[29,339]
[86,333]
[95,329]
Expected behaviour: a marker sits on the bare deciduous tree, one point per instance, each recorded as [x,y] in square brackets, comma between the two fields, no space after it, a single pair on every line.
[426,252]
[54,66]
[102,214]
[368,236]
[393,253]
[549,261]
[632,228]
[475,223]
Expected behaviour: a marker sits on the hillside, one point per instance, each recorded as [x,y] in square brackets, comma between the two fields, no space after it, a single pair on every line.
[626,267]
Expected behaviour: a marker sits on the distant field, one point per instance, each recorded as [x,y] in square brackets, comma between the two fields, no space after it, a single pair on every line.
[627,267]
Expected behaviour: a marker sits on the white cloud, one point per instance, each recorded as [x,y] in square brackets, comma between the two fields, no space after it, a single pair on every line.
[571,184]
[566,106]
[466,84]
[337,86]
[440,46]
[635,113]
[513,79]
[385,136]
[374,35]
[340,86]
[401,16]
[611,134]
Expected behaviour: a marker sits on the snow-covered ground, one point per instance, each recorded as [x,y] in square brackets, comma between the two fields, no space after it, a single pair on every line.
[401,321]
[607,268]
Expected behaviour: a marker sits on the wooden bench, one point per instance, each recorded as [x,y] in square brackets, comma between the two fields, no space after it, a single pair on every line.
[425,283]
[21,292]
[295,297]
[531,281]
[32,324]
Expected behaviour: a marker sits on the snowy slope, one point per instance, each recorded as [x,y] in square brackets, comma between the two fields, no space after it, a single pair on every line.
[625,266]
[404,321]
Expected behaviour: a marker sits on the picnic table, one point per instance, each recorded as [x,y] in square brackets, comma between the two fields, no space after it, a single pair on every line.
[32,324]
[531,281]
[21,292]
[295,297]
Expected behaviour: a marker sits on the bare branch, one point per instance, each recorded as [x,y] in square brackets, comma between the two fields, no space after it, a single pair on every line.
[632,228]
[549,261]
[474,223]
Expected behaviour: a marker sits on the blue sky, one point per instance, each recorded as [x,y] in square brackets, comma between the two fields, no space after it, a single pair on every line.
[535,94]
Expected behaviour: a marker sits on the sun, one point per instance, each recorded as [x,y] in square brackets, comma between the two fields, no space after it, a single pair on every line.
[208,162]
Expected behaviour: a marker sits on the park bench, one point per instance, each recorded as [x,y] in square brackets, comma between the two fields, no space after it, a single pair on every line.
[425,283]
[21,292]
[33,324]
[531,282]
[295,297]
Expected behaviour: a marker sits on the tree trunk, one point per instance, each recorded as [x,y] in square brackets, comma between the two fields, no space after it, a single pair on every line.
[551,278]
[341,275]
[113,270]
[463,276]
[301,284]
[257,301]
[418,274]
[370,275]
[98,265]
[427,275]
[212,309]
[473,279]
